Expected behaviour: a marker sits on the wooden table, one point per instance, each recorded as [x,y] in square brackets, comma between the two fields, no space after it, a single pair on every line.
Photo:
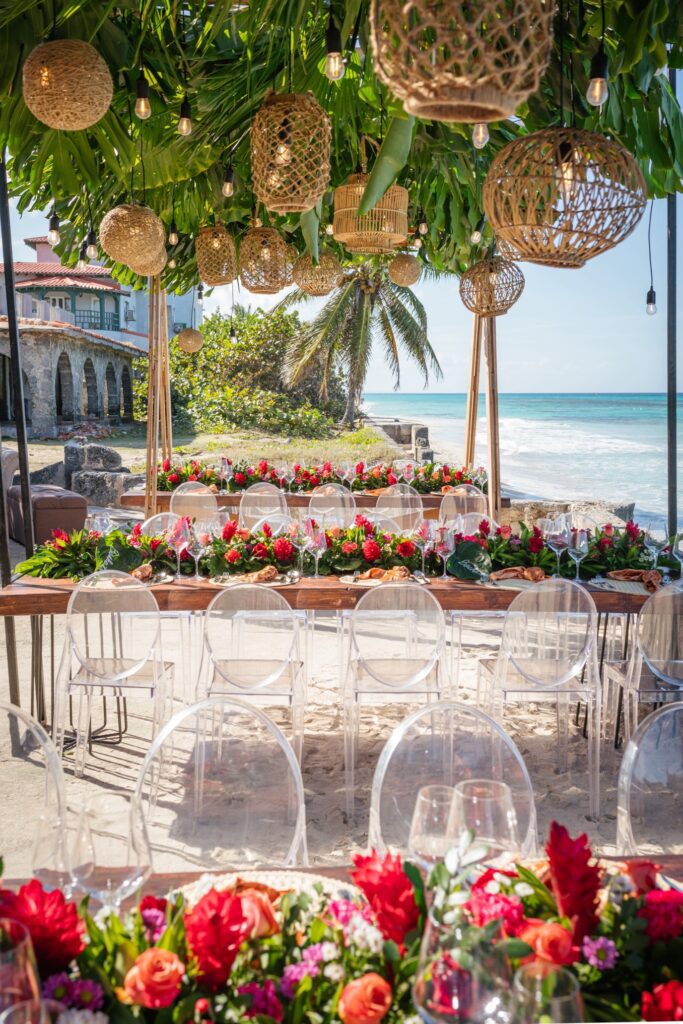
[136,500]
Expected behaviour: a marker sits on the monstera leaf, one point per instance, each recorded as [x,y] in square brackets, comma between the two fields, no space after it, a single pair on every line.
[467,558]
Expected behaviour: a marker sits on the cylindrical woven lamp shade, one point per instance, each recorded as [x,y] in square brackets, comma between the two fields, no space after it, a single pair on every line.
[404,270]
[491,286]
[216,259]
[189,340]
[67,84]
[453,61]
[382,229]
[131,234]
[265,261]
[317,278]
[290,152]
[561,196]
[151,266]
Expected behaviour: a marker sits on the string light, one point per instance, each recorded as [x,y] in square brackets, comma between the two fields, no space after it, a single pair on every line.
[173,233]
[228,182]
[233,332]
[185,119]
[172,263]
[91,244]
[597,91]
[200,294]
[335,68]
[476,236]
[82,258]
[423,227]
[480,135]
[53,235]
[329,229]
[143,108]
[651,297]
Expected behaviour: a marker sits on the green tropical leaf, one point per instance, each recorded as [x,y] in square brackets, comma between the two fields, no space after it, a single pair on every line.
[390,161]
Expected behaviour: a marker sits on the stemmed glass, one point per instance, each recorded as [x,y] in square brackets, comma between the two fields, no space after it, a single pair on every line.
[200,538]
[297,538]
[654,540]
[444,545]
[484,807]
[347,472]
[226,473]
[33,1011]
[18,971]
[316,542]
[578,548]
[408,472]
[542,991]
[179,538]
[422,538]
[677,551]
[111,857]
[430,839]
[556,535]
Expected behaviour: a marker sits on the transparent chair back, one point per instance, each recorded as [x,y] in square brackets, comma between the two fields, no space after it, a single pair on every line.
[160,524]
[278,524]
[259,502]
[443,744]
[332,504]
[470,523]
[461,500]
[650,799]
[660,635]
[32,792]
[403,504]
[397,634]
[195,500]
[381,521]
[220,788]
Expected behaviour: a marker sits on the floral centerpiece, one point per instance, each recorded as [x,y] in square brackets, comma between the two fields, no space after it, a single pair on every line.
[170,476]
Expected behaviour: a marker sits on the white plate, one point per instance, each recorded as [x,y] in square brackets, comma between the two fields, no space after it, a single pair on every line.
[230,581]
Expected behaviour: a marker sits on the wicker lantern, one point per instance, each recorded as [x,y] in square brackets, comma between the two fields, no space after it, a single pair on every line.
[320,278]
[265,261]
[382,229]
[404,270]
[151,266]
[290,152]
[216,260]
[190,340]
[131,234]
[450,61]
[561,196]
[67,84]
[491,286]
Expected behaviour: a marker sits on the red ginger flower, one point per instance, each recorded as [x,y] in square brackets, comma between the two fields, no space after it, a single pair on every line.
[371,550]
[215,929]
[173,478]
[663,911]
[574,881]
[665,1002]
[229,529]
[57,932]
[405,549]
[166,465]
[389,892]
[260,551]
[283,549]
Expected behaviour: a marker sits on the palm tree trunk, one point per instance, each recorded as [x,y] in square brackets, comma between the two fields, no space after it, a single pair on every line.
[350,410]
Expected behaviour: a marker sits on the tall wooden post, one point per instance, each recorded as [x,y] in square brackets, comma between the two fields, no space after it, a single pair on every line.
[473,393]
[158,392]
[489,326]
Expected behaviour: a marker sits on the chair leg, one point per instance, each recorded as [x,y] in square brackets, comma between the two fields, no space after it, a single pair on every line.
[562,711]
[594,757]
[82,728]
[351,722]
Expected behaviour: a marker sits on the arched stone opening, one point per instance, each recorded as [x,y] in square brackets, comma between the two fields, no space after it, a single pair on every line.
[111,403]
[89,403]
[7,393]
[64,390]
[126,401]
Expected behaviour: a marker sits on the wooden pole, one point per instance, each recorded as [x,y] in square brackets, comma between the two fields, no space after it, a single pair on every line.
[671,348]
[152,401]
[473,393]
[489,326]
[165,379]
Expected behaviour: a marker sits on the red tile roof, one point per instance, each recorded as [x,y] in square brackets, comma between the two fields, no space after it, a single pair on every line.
[38,269]
[33,242]
[60,326]
[70,282]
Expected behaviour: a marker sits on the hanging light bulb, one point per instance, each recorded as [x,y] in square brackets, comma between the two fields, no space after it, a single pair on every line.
[475,237]
[233,333]
[417,243]
[53,235]
[565,171]
[335,68]
[480,135]
[82,258]
[423,227]
[228,182]
[597,90]
[651,302]
[143,108]
[265,251]
[200,294]
[172,263]
[283,153]
[329,229]
[173,233]
[91,245]
[185,119]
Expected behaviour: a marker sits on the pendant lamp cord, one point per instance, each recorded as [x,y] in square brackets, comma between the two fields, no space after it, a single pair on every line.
[649,243]
[561,16]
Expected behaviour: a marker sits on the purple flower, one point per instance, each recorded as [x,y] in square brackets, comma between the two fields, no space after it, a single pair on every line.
[58,987]
[314,954]
[601,953]
[293,974]
[264,1000]
[154,921]
[87,995]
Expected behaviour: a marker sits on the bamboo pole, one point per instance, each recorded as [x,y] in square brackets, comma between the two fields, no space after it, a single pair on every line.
[152,401]
[473,393]
[489,326]
[167,445]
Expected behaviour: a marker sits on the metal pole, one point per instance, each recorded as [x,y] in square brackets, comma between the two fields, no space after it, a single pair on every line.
[671,383]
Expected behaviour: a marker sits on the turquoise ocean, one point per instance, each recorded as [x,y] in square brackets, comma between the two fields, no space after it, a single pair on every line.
[566,446]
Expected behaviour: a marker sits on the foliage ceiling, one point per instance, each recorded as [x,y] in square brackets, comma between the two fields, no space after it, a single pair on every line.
[228,56]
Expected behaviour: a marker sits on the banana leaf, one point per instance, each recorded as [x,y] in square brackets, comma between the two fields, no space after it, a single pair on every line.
[466,559]
[310,224]
[390,161]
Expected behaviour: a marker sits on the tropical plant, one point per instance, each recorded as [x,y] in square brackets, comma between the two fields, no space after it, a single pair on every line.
[367,309]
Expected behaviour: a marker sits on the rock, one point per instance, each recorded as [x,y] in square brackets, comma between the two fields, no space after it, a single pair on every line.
[104,488]
[52,474]
[99,456]
[74,459]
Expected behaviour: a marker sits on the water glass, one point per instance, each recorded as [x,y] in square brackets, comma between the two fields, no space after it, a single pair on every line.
[178,538]
[18,972]
[316,542]
[226,473]
[33,1011]
[111,857]
[542,991]
[578,548]
[429,839]
[444,545]
[422,539]
[200,538]
[485,807]
[654,539]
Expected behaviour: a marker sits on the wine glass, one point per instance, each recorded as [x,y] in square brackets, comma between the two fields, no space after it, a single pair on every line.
[50,855]
[111,857]
[422,538]
[200,538]
[556,535]
[677,551]
[444,544]
[33,1011]
[484,807]
[18,972]
[347,472]
[429,839]
[408,472]
[179,538]
[578,548]
[542,991]
[654,540]
[297,538]
[316,542]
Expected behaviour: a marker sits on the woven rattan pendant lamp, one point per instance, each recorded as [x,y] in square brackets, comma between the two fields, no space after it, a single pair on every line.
[317,278]
[381,230]
[290,152]
[454,61]
[491,286]
[132,234]
[190,340]
[405,270]
[265,261]
[67,84]
[215,252]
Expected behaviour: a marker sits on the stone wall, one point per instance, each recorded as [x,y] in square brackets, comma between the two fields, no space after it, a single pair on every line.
[96,472]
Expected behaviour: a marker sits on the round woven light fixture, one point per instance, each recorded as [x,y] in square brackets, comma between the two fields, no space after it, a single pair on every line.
[382,229]
[561,196]
[265,261]
[67,84]
[290,152]
[404,270]
[131,234]
[450,61]
[317,278]
[216,259]
[190,340]
[491,286]
[151,266]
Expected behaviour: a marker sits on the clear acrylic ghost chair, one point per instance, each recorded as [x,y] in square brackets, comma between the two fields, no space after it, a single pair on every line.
[260,501]
[463,499]
[278,523]
[471,521]
[32,792]
[381,521]
[442,744]
[112,645]
[650,796]
[220,788]
[159,524]
[395,654]
[252,649]
[195,500]
[332,504]
[549,651]
[403,504]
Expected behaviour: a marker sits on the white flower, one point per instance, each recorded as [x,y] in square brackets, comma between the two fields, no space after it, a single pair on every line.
[456,899]
[492,888]
[452,860]
[102,916]
[365,935]
[82,1017]
[335,972]
[523,889]
[330,951]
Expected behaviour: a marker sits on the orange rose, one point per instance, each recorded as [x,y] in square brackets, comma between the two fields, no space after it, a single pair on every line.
[549,941]
[154,980]
[366,1000]
[243,534]
[258,911]
[643,874]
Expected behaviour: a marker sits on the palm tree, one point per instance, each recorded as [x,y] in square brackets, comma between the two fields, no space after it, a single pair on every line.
[367,309]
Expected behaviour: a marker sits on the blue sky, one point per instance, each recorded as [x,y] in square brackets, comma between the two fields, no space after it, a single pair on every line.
[572,330]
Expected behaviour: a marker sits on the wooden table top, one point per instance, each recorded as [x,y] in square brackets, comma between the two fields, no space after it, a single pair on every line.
[136,499]
[30,596]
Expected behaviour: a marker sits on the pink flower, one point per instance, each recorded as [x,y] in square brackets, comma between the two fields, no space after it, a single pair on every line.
[349,546]
[264,1000]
